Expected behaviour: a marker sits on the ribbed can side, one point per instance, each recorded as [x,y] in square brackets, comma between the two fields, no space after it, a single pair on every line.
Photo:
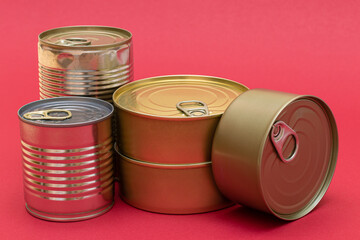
[95,72]
[69,177]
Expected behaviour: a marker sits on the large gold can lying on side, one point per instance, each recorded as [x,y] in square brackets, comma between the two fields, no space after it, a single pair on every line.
[87,61]
[275,152]
[169,188]
[171,119]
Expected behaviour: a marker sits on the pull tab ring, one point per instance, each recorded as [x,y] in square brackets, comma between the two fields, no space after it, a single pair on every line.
[279,133]
[44,115]
[201,108]
[74,42]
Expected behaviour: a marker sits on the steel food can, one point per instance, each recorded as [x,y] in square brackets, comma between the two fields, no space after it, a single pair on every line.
[67,158]
[169,188]
[171,119]
[90,61]
[275,152]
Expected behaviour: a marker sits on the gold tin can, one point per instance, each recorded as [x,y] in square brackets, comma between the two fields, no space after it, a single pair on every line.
[90,61]
[275,152]
[171,119]
[169,188]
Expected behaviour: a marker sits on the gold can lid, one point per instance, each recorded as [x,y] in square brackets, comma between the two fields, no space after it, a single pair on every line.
[85,37]
[299,157]
[178,96]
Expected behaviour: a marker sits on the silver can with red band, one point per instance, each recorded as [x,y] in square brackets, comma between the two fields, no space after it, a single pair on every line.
[67,158]
[88,61]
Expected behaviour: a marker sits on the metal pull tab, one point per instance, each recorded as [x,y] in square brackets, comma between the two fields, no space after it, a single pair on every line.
[44,115]
[74,42]
[279,133]
[200,108]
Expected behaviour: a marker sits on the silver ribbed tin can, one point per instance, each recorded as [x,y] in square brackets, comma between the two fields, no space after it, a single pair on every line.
[90,61]
[67,158]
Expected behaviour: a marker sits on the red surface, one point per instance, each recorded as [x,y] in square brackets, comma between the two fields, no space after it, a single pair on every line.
[304,47]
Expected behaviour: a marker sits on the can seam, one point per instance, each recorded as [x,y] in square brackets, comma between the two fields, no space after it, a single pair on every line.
[88,47]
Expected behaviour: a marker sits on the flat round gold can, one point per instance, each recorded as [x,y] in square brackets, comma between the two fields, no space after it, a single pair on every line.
[159,96]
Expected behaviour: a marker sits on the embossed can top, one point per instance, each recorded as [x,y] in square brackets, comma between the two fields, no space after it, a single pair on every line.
[178,96]
[65,111]
[85,37]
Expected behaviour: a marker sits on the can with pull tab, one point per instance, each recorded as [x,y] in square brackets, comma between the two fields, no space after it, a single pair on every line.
[171,119]
[275,152]
[165,129]
[89,61]
[67,158]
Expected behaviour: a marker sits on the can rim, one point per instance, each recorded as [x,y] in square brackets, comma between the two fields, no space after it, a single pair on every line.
[62,125]
[89,47]
[161,165]
[176,118]
[332,163]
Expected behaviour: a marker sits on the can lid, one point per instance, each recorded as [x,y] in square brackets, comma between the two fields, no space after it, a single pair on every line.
[299,157]
[178,96]
[85,37]
[65,111]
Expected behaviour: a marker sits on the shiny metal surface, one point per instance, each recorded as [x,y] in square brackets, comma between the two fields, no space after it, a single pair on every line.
[153,129]
[193,108]
[48,114]
[169,188]
[280,133]
[158,96]
[247,166]
[83,111]
[68,169]
[88,61]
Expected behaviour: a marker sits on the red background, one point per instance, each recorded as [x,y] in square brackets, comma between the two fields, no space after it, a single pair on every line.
[304,47]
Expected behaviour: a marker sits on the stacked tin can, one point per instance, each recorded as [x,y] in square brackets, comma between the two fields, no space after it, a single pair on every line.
[86,61]
[68,160]
[166,126]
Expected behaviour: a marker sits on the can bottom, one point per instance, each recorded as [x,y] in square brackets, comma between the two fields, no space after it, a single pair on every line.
[172,210]
[69,217]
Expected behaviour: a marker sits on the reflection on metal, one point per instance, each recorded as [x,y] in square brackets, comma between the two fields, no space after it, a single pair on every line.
[193,108]
[51,114]
[88,61]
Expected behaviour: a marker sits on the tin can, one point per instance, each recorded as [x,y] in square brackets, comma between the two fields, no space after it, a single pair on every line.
[169,188]
[90,61]
[67,158]
[171,119]
[275,152]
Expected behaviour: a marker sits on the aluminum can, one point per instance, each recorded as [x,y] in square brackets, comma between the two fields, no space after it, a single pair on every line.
[89,61]
[169,188]
[275,152]
[67,158]
[171,119]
